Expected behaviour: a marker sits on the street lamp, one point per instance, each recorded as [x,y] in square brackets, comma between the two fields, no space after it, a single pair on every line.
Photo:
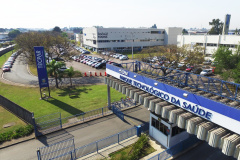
[132,45]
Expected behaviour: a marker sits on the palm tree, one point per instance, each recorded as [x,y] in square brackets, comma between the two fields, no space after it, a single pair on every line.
[70,72]
[53,69]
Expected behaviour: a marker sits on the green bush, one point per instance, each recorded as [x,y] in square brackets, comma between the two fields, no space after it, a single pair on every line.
[20,132]
[138,147]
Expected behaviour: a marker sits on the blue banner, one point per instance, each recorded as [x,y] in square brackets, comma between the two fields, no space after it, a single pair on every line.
[41,67]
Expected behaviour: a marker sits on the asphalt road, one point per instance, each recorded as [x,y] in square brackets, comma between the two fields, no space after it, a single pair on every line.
[83,134]
[204,152]
[19,73]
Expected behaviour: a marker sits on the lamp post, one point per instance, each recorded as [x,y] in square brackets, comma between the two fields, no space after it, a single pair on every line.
[132,45]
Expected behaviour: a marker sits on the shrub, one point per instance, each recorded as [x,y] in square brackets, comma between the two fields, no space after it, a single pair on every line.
[20,132]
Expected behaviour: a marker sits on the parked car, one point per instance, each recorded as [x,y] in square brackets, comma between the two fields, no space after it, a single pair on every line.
[58,59]
[206,72]
[189,69]
[6,69]
[100,65]
[123,57]
[207,62]
[63,68]
[117,64]
[86,52]
[8,64]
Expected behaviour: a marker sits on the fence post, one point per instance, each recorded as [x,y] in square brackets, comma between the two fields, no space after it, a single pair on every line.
[71,156]
[102,111]
[74,149]
[39,154]
[34,126]
[118,138]
[97,146]
[139,130]
[60,118]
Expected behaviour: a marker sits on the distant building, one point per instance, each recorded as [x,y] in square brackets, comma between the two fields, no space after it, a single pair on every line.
[3,35]
[209,42]
[123,39]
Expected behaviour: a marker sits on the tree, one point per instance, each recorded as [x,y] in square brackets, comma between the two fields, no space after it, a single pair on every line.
[70,73]
[14,33]
[236,31]
[194,55]
[228,63]
[217,27]
[53,69]
[2,30]
[57,29]
[53,43]
[184,31]
[226,60]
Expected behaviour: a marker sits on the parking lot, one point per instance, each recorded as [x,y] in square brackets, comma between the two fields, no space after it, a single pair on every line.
[86,68]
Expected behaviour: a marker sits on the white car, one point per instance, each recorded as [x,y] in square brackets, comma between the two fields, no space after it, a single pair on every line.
[206,72]
[123,57]
[63,68]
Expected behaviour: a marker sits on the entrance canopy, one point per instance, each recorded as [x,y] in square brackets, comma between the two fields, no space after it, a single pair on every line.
[203,106]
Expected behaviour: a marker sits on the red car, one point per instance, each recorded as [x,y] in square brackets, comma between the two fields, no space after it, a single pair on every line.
[6,69]
[189,69]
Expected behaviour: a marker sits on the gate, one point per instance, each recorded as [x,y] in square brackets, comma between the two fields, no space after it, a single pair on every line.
[118,112]
[47,124]
[58,151]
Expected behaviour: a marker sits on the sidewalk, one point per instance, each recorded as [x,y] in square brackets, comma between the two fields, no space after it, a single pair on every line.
[103,153]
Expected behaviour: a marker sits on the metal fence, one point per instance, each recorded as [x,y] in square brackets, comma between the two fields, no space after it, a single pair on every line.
[118,112]
[66,149]
[17,110]
[50,123]
[61,150]
[95,146]
[176,149]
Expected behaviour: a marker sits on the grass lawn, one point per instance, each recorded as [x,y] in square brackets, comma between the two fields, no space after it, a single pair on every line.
[5,57]
[88,98]
[7,117]
[126,150]
[33,69]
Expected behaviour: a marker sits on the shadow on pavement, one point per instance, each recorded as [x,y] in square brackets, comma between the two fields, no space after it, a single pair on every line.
[55,137]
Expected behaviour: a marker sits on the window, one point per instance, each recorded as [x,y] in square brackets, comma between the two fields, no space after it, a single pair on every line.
[176,130]
[155,32]
[160,126]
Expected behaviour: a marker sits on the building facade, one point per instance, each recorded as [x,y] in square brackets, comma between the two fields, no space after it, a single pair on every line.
[124,39]
[209,42]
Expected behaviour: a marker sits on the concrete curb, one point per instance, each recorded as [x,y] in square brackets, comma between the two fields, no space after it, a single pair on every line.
[25,140]
[30,71]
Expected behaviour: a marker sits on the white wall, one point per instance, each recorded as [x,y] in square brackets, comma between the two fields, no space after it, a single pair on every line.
[206,39]
[171,34]
[142,37]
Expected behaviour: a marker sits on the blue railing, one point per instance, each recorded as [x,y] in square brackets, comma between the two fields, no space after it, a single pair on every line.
[66,149]
[52,122]
[179,78]
[103,143]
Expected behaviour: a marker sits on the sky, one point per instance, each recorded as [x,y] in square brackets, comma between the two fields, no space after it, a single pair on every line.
[116,13]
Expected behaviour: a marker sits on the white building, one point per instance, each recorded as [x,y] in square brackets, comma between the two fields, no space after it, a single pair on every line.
[209,42]
[123,39]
